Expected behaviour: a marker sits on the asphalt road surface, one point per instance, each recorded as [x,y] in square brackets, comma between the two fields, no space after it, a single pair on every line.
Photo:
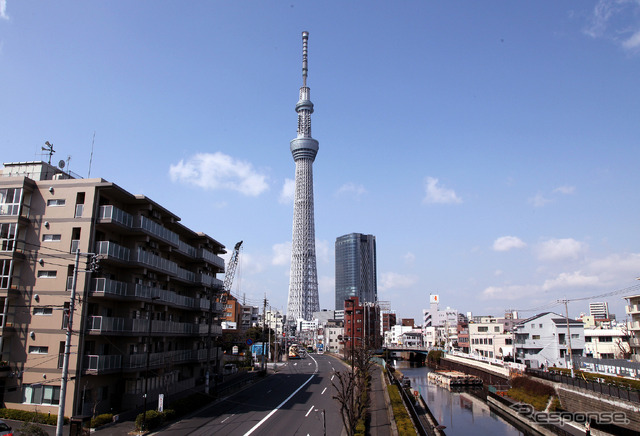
[290,402]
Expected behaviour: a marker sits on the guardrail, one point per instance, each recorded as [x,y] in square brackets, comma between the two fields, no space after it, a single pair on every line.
[631,395]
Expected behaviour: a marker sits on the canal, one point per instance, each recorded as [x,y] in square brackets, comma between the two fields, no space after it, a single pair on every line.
[460,411]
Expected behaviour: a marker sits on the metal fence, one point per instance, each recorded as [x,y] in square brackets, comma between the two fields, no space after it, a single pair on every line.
[604,388]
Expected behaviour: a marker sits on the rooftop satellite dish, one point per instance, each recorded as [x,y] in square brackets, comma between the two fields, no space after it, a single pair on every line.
[61,164]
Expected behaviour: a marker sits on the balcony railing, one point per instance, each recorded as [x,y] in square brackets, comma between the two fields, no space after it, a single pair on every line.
[114,214]
[185,274]
[208,280]
[634,325]
[152,227]
[187,249]
[156,262]
[104,324]
[633,308]
[108,286]
[210,257]
[111,249]
[102,363]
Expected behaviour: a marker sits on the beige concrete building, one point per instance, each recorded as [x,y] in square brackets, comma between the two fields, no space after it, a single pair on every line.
[139,324]
[633,311]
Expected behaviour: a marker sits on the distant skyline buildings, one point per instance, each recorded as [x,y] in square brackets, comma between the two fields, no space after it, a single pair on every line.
[303,281]
[356,270]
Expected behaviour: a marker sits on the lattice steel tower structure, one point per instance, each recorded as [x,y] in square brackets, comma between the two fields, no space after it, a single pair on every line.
[303,282]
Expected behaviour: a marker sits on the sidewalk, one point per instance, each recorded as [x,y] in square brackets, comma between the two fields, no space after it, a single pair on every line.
[379,422]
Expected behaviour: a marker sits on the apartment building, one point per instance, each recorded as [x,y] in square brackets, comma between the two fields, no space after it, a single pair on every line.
[144,284]
[606,343]
[544,340]
[491,337]
[361,325]
[633,311]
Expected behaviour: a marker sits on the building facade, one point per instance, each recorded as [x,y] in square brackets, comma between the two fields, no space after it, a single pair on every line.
[356,273]
[633,311]
[544,340]
[303,297]
[145,290]
[361,325]
[436,317]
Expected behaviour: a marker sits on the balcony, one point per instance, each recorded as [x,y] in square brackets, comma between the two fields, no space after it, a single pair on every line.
[207,280]
[634,325]
[140,326]
[187,249]
[113,250]
[97,363]
[633,309]
[157,230]
[185,274]
[211,258]
[110,287]
[156,262]
[115,215]
[216,330]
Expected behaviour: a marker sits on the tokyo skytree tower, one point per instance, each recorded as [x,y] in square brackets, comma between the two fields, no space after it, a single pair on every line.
[303,282]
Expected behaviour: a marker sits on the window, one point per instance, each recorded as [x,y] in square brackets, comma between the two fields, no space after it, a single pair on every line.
[5,269]
[483,329]
[496,329]
[39,394]
[42,311]
[10,201]
[540,325]
[49,238]
[47,274]
[587,338]
[602,338]
[36,349]
[56,202]
[7,236]
[535,337]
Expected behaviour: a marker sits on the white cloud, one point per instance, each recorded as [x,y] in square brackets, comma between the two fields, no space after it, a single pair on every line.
[288,191]
[391,280]
[613,20]
[281,253]
[632,42]
[570,280]
[506,243]
[539,200]
[409,258]
[510,292]
[3,10]
[560,249]
[565,189]
[352,188]
[219,171]
[615,266]
[439,194]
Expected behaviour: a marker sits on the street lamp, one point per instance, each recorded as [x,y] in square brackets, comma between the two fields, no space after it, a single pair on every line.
[146,375]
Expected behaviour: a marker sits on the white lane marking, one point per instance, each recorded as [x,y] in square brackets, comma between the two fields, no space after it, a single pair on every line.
[332,377]
[323,391]
[230,416]
[263,420]
[308,412]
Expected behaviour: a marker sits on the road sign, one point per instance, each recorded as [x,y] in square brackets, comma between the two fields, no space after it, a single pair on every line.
[249,342]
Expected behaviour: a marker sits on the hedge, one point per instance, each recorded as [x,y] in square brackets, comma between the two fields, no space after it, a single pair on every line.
[28,416]
[400,415]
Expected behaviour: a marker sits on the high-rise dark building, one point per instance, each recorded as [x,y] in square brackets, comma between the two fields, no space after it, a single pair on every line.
[356,268]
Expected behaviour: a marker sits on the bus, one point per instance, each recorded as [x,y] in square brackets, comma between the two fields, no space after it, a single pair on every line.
[294,352]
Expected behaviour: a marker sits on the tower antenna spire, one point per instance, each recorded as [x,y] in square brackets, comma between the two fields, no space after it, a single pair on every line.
[305,68]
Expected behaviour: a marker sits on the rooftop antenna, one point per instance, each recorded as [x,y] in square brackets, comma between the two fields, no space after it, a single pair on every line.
[91,158]
[49,148]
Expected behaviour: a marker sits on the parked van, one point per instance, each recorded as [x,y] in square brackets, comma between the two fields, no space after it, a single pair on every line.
[230,368]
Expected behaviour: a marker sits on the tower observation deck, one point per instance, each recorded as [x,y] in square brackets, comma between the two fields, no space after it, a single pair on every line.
[303,281]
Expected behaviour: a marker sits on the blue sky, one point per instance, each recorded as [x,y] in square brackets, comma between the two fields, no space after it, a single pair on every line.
[491,147]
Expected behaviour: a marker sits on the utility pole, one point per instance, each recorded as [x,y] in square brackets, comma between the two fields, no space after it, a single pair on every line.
[566,311]
[67,348]
[264,324]
[146,375]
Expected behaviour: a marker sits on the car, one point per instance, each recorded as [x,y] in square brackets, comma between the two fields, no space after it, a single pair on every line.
[5,429]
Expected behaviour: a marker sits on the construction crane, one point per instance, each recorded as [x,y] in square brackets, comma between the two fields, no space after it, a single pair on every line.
[231,271]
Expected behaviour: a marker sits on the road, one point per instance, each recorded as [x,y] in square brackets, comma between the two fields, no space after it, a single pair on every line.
[289,402]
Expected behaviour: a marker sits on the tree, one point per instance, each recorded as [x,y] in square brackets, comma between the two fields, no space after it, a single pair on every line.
[346,394]
[624,349]
[351,387]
